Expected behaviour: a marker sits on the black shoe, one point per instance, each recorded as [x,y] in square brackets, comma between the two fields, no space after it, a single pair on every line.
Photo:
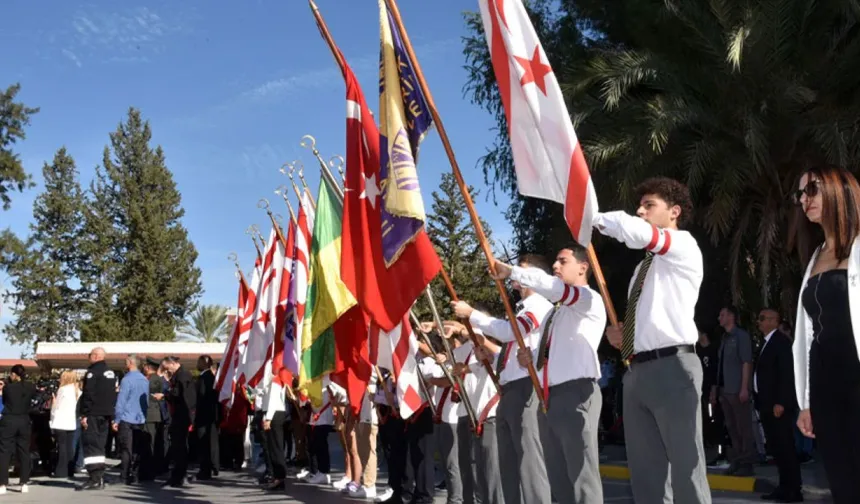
[203,477]
[276,485]
[91,485]
[792,497]
[744,470]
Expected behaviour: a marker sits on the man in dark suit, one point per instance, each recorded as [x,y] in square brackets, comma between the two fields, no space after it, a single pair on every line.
[183,398]
[206,419]
[776,401]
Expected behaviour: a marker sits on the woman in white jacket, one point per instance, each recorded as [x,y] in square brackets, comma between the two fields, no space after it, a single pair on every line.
[827,337]
[64,423]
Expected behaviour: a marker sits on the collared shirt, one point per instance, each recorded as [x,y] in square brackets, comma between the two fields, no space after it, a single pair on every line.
[755,376]
[735,351]
[530,319]
[664,316]
[425,367]
[575,330]
[480,388]
[451,411]
[368,408]
[133,400]
[329,401]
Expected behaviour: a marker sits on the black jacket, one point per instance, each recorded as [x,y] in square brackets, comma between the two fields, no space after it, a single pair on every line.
[99,393]
[774,375]
[17,397]
[207,399]
[183,397]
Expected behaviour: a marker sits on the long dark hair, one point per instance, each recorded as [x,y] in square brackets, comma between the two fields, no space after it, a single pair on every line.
[840,210]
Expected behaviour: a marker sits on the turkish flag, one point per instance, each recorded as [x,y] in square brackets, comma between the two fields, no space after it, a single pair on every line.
[352,366]
[386,292]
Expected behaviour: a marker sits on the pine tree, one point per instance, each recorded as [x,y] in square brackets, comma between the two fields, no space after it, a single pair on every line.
[147,281]
[13,117]
[101,256]
[44,299]
[450,229]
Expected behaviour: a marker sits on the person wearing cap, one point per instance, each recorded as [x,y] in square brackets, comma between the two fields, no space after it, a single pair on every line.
[568,369]
[153,429]
[523,471]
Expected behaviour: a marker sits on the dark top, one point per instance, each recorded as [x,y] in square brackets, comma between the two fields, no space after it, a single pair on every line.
[183,397]
[17,397]
[708,357]
[153,411]
[99,392]
[833,358]
[207,399]
[774,374]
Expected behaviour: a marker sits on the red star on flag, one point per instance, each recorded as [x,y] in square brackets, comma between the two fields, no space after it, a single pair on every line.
[264,318]
[535,70]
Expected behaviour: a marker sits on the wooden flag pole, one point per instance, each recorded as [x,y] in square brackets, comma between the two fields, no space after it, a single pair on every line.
[470,205]
[282,191]
[448,284]
[250,232]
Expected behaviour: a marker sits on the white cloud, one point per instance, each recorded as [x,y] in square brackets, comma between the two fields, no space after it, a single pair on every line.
[123,36]
[69,54]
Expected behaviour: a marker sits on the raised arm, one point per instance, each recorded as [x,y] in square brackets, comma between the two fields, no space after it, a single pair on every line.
[554,289]
[636,233]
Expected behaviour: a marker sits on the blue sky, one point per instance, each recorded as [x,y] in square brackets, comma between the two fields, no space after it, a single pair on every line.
[229,93]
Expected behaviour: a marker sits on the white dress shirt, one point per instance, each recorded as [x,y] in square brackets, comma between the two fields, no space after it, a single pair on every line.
[451,411]
[530,320]
[664,316]
[368,407]
[575,331]
[481,389]
[425,367]
[324,415]
[755,376]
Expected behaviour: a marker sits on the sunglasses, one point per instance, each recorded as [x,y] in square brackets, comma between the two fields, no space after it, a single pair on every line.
[811,191]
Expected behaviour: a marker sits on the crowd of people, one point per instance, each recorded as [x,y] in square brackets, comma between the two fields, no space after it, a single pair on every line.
[499,438]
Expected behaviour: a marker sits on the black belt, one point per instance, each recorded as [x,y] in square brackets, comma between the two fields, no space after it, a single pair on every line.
[660,353]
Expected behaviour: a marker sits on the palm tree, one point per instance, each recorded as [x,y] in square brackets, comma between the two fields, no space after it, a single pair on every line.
[737,99]
[206,325]
[734,98]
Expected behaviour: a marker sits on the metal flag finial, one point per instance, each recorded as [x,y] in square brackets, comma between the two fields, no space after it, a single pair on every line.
[264,203]
[234,258]
[300,167]
[283,168]
[281,190]
[309,142]
[338,163]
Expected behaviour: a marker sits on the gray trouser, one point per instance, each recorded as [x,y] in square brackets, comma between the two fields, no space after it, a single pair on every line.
[569,435]
[739,423]
[521,462]
[447,442]
[468,461]
[487,471]
[663,431]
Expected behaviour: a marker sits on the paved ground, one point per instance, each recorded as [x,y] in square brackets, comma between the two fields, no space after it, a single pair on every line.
[242,488]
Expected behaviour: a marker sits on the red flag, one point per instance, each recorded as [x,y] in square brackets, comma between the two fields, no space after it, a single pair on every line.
[352,366]
[224,382]
[386,292]
[281,374]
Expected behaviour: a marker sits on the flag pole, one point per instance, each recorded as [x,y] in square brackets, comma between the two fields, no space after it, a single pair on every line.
[282,191]
[448,284]
[264,203]
[464,395]
[250,232]
[309,142]
[470,205]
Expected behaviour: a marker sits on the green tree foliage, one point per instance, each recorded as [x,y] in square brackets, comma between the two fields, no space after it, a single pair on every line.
[207,324]
[44,297]
[145,279]
[14,116]
[735,99]
[450,229]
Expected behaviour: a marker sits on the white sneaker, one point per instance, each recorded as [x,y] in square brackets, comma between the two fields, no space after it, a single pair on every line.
[25,488]
[341,483]
[319,479]
[364,493]
[2,490]
[385,495]
[304,473]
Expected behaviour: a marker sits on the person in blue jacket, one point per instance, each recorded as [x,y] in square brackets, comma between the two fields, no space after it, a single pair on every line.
[130,417]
